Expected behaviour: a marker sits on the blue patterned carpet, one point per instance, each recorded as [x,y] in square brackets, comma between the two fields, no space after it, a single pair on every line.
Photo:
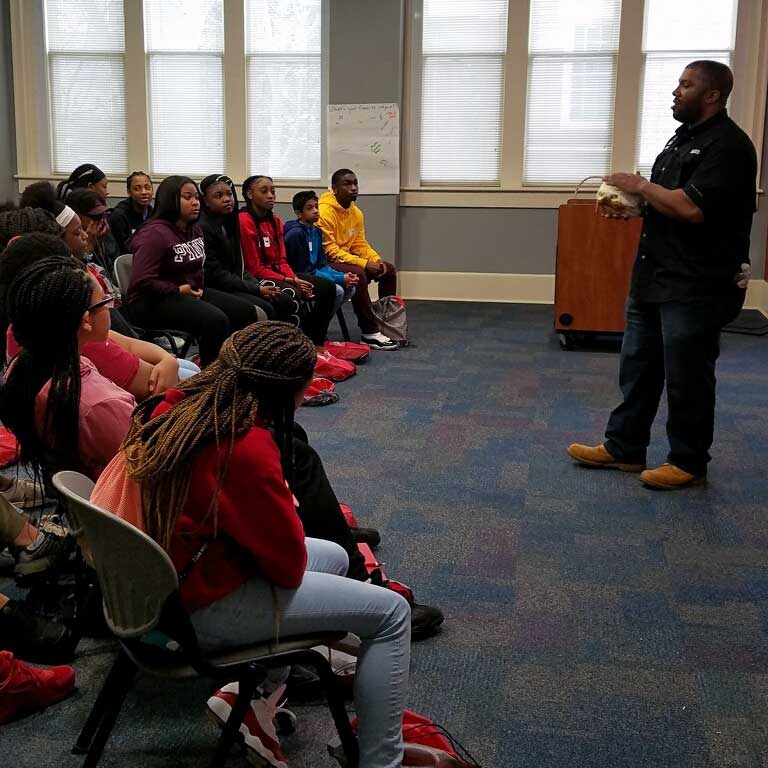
[589,622]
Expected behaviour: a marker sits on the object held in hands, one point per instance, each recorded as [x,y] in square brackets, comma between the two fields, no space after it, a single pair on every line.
[612,203]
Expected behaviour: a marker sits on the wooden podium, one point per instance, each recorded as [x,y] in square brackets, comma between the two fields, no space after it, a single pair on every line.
[594,265]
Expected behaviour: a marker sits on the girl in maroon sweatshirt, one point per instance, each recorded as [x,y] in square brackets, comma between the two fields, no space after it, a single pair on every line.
[167,287]
[215,488]
[261,237]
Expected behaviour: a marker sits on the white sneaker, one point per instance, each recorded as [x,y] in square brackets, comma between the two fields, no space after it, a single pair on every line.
[379,341]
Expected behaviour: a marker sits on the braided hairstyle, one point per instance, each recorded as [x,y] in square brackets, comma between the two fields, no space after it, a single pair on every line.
[230,222]
[82,177]
[47,301]
[20,221]
[260,369]
[247,184]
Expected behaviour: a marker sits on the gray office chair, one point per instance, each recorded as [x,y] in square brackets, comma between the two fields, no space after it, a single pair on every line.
[143,609]
[178,342]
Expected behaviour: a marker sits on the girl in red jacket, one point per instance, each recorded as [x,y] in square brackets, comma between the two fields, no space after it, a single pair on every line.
[215,489]
[261,237]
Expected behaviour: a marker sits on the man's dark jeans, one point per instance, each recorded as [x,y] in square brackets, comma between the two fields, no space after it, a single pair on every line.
[676,342]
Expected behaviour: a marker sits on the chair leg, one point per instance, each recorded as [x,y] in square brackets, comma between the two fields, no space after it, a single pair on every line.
[112,707]
[248,684]
[343,324]
[336,705]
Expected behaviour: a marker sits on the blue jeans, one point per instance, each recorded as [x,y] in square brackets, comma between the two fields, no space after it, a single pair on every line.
[343,293]
[328,601]
[676,343]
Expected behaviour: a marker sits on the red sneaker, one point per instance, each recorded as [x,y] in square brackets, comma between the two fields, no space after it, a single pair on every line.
[258,726]
[348,350]
[330,367]
[25,689]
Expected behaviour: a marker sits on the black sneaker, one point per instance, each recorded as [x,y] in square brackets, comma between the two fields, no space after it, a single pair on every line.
[369,536]
[34,638]
[47,550]
[379,341]
[425,621]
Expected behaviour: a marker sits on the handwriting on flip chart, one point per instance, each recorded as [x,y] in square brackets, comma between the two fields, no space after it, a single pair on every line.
[366,138]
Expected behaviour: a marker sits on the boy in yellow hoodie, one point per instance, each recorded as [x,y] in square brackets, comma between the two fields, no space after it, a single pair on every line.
[343,227]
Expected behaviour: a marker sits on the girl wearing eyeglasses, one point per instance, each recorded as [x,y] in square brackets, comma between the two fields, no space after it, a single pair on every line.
[63,412]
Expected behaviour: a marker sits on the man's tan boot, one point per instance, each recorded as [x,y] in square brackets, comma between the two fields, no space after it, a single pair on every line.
[598,456]
[668,477]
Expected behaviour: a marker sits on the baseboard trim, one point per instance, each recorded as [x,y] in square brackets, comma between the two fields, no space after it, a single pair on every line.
[513,288]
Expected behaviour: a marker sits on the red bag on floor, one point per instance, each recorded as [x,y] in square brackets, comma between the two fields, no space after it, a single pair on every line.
[9,448]
[330,367]
[349,515]
[426,743]
[353,351]
[321,392]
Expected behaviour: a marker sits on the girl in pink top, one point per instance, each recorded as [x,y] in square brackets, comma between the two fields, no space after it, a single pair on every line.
[64,414]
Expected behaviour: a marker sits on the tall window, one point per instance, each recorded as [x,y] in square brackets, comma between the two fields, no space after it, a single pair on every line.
[85,42]
[185,71]
[676,34]
[284,87]
[572,53]
[464,44]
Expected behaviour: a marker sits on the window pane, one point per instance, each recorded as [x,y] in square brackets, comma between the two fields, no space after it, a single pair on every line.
[88,112]
[571,89]
[186,114]
[569,27]
[570,118]
[86,26]
[284,113]
[657,125]
[464,26]
[461,116]
[282,26]
[689,25]
[283,40]
[184,25]
[710,28]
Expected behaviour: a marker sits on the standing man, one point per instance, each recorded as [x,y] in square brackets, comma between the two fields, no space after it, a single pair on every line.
[688,282]
[344,243]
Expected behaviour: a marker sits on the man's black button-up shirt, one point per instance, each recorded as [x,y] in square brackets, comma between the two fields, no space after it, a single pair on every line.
[716,165]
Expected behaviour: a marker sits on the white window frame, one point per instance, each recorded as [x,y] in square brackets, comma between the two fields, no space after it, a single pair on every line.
[32,105]
[746,106]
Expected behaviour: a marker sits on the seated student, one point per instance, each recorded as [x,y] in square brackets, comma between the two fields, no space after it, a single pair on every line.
[102,249]
[343,227]
[85,176]
[41,194]
[167,284]
[206,465]
[304,247]
[63,412]
[261,235]
[139,367]
[224,268]
[129,214]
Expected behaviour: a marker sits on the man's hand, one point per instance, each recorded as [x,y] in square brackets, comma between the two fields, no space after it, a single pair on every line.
[164,375]
[350,279]
[375,269]
[187,290]
[627,182]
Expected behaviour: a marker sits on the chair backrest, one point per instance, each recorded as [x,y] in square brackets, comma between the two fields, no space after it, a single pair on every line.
[123,267]
[135,574]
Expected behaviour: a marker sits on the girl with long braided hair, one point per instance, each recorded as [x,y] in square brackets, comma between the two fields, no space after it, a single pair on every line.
[214,491]
[64,414]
